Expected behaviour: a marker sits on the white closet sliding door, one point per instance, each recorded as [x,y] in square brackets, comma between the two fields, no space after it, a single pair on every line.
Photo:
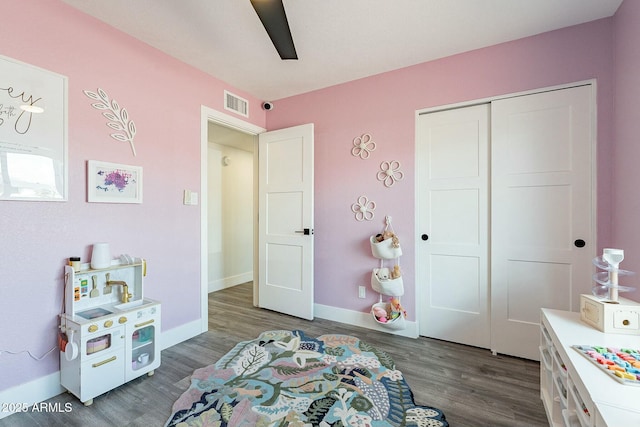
[542,212]
[505,216]
[453,161]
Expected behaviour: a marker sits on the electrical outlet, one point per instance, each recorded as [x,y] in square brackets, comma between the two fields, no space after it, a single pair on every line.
[362,292]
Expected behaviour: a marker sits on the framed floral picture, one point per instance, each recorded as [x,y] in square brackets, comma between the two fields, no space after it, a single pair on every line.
[113,183]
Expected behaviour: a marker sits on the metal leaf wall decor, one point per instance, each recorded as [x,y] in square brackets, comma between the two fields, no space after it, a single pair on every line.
[118,118]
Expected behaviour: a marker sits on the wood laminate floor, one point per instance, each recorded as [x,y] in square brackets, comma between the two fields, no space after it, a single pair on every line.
[472,387]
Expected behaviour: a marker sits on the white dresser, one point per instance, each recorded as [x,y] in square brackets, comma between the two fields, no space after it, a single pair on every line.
[574,391]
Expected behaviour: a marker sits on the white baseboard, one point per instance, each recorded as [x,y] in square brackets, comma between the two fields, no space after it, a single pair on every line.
[180,333]
[364,320]
[30,393]
[227,282]
[46,387]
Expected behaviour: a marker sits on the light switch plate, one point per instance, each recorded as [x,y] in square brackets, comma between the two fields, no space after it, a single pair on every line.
[190,197]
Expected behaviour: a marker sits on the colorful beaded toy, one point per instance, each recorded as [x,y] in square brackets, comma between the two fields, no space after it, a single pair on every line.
[622,364]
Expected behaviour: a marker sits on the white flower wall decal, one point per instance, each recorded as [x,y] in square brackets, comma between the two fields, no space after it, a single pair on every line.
[390,172]
[118,117]
[363,209]
[363,146]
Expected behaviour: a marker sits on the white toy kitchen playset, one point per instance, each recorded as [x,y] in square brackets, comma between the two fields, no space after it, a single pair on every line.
[109,331]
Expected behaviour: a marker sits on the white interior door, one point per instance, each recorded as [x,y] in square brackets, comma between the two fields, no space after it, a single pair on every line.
[542,208]
[452,168]
[286,221]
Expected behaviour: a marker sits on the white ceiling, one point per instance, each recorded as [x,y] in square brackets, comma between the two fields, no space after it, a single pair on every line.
[336,40]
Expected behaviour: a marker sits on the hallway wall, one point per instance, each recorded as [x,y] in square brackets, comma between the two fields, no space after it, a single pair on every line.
[230,208]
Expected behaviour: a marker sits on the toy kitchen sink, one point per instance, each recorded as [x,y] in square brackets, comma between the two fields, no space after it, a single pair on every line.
[112,330]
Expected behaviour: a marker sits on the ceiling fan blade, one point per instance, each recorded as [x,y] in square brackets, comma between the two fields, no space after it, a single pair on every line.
[274,19]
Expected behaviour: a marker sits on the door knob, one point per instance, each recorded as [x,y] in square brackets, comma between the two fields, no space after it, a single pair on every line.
[425,237]
[580,243]
[306,231]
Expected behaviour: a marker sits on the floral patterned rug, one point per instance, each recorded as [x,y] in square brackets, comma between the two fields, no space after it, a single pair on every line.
[285,378]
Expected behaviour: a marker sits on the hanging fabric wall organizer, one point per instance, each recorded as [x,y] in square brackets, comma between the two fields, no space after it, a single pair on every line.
[387,281]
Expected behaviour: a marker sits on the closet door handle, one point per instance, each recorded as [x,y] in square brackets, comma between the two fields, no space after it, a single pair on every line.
[579,243]
[425,237]
[306,231]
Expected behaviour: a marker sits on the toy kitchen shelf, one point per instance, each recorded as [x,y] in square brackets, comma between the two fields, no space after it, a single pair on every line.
[112,330]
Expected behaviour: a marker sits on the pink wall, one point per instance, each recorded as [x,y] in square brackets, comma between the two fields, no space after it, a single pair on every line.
[626,150]
[385,105]
[163,96]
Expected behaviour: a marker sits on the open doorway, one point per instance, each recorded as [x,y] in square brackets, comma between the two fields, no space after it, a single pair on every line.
[228,127]
[277,148]
[230,213]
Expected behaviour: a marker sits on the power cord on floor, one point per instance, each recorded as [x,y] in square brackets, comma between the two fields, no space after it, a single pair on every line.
[33,356]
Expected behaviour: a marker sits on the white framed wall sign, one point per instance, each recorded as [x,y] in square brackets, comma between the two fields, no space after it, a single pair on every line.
[33,133]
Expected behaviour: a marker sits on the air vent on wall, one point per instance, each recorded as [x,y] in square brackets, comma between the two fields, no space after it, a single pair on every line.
[236,104]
